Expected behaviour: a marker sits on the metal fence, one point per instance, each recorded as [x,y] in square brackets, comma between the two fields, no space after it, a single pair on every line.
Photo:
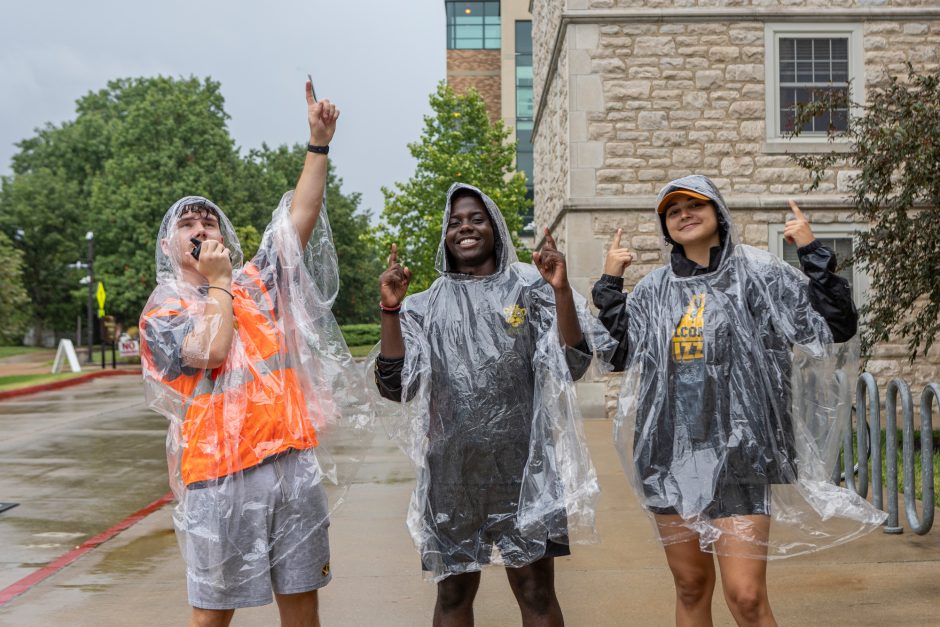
[867,431]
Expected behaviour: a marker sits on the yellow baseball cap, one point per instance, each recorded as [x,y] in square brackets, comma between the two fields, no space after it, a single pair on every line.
[679,192]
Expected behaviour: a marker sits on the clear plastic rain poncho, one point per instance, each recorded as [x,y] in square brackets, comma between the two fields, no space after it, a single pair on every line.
[288,389]
[489,415]
[733,402]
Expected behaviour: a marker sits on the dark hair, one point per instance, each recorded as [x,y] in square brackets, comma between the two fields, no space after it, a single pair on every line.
[199,208]
[723,226]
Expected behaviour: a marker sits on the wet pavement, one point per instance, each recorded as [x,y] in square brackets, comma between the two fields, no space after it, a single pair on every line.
[81,459]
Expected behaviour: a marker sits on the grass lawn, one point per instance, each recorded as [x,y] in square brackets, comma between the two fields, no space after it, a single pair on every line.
[918,480]
[360,351]
[14,381]
[12,351]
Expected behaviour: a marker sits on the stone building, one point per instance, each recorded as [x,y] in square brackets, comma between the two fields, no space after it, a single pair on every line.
[630,94]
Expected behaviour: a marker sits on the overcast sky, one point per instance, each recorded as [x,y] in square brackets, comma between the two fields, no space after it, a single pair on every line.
[377,59]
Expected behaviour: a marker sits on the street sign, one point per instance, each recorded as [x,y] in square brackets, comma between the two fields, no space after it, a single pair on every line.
[66,352]
[128,346]
[100,295]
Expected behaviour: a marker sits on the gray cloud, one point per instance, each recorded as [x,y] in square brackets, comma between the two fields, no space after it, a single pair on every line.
[377,60]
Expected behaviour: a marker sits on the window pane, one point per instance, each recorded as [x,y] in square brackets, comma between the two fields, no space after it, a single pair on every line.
[840,49]
[821,49]
[804,72]
[804,49]
[523,37]
[840,72]
[808,66]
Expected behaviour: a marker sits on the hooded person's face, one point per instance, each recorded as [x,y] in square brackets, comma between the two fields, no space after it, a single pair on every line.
[470,239]
[198,223]
[691,221]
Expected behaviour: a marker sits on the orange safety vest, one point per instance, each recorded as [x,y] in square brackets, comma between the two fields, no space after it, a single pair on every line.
[238,415]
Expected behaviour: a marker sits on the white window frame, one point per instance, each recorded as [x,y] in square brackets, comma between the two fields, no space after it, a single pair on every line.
[775,142]
[847,230]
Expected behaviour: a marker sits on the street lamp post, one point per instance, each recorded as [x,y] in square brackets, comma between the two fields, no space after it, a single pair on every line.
[91,291]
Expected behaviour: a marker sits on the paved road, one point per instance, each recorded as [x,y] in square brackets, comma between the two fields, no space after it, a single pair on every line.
[81,459]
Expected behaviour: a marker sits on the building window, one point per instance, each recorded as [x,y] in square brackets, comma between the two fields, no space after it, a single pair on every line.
[804,63]
[836,237]
[525,106]
[473,25]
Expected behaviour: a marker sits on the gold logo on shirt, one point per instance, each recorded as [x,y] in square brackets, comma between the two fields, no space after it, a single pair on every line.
[515,315]
[325,570]
[687,341]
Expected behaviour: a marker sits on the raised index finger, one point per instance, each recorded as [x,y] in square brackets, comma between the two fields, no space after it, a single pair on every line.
[549,241]
[309,90]
[796,210]
[614,245]
[393,256]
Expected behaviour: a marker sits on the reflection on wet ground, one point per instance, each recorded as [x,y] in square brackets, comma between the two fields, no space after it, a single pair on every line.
[77,461]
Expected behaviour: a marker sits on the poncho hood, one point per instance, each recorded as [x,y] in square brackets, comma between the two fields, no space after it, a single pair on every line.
[503,249]
[701,185]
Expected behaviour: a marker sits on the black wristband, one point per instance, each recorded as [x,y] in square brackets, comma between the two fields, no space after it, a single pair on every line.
[320,150]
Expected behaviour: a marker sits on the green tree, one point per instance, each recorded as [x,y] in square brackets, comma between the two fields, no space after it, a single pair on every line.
[168,139]
[44,207]
[134,148]
[458,144]
[14,301]
[895,144]
[270,172]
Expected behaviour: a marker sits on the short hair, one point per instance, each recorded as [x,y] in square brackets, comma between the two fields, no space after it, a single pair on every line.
[199,208]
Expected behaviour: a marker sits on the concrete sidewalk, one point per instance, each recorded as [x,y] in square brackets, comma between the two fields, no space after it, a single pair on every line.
[137,578]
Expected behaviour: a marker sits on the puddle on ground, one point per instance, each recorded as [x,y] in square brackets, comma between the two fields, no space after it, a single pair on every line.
[62,535]
[135,556]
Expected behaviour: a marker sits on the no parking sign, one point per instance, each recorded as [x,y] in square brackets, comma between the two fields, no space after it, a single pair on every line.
[128,346]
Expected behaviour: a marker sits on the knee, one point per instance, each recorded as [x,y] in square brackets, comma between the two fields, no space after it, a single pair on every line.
[210,618]
[748,601]
[535,593]
[694,587]
[454,595]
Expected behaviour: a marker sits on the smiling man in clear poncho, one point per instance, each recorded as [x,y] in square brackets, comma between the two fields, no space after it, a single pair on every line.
[249,366]
[738,372]
[483,362]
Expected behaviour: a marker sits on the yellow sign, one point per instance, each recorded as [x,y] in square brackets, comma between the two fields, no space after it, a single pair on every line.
[101,295]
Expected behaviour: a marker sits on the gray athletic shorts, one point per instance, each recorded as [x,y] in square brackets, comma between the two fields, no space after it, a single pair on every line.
[258,531]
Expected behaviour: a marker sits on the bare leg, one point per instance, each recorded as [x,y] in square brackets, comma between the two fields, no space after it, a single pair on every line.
[299,610]
[454,607]
[534,588]
[742,557]
[692,571]
[210,618]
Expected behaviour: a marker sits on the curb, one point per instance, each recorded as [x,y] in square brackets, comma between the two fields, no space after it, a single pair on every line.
[17,588]
[58,385]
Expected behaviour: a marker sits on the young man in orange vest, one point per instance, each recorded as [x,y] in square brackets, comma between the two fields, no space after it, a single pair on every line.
[227,359]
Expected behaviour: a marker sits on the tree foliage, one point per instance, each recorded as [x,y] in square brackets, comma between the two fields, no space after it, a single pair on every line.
[134,148]
[14,301]
[895,144]
[458,144]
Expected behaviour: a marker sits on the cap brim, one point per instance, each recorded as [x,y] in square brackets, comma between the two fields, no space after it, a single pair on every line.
[676,194]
